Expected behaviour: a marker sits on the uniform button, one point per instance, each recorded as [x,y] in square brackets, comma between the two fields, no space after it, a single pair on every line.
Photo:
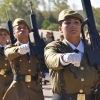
[28,86]
[5,64]
[4,75]
[82,79]
[37,61]
[29,61]
[5,58]
[29,70]
[81,91]
[70,98]
[82,68]
[20,60]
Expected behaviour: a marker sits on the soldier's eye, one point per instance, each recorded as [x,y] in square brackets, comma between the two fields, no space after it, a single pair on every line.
[19,28]
[68,23]
[76,22]
[3,34]
[24,27]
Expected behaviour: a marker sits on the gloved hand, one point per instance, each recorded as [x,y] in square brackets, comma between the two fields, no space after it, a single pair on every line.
[23,49]
[73,58]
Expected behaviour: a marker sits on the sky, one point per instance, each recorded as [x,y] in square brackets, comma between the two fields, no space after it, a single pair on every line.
[78,4]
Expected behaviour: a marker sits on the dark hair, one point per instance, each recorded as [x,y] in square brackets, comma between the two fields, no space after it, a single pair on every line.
[61,36]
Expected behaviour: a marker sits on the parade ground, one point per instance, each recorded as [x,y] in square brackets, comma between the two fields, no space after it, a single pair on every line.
[47,91]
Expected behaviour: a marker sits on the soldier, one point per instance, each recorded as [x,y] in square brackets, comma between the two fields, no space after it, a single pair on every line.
[24,65]
[5,69]
[72,78]
[48,38]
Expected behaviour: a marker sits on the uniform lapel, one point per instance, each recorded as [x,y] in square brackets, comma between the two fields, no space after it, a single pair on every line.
[69,48]
[1,51]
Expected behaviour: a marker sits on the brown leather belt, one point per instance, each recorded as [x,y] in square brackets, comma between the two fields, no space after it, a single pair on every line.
[26,78]
[74,97]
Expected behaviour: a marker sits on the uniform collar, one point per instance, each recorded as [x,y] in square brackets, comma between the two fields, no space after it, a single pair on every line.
[3,46]
[22,43]
[80,46]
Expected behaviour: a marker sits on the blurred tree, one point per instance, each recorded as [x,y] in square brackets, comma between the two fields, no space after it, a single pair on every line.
[96,12]
[58,6]
[46,11]
[45,24]
[53,27]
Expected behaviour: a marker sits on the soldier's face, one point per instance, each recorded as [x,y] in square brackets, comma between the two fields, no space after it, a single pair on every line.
[3,37]
[71,27]
[48,36]
[21,31]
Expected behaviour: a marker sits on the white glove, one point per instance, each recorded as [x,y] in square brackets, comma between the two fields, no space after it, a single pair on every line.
[23,49]
[73,58]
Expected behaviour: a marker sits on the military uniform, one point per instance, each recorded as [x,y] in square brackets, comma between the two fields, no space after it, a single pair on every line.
[71,79]
[87,76]
[5,73]
[24,64]
[22,87]
[5,70]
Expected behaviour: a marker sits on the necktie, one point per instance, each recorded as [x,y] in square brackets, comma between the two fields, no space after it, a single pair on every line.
[2,48]
[27,54]
[76,51]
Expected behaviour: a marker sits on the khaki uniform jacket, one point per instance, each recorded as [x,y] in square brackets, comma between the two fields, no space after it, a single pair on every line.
[87,76]
[6,79]
[21,90]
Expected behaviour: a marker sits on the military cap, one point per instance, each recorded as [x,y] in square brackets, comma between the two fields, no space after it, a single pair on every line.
[18,21]
[3,29]
[67,13]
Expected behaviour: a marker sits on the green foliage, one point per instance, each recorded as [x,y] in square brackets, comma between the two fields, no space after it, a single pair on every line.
[46,12]
[96,12]
[58,6]
[98,28]
[53,27]
[45,24]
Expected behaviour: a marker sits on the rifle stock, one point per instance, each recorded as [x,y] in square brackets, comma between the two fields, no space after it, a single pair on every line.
[52,36]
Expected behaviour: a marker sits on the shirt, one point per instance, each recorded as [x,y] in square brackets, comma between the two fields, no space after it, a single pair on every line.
[2,46]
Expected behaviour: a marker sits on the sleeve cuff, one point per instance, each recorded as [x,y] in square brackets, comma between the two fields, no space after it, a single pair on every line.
[63,62]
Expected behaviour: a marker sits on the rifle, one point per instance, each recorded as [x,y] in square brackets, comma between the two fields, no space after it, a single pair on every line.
[9,23]
[94,53]
[52,36]
[38,49]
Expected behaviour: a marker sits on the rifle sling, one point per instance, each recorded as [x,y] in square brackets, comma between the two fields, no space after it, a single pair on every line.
[62,85]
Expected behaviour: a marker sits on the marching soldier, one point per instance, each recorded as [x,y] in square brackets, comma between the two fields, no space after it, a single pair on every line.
[5,69]
[24,65]
[72,78]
